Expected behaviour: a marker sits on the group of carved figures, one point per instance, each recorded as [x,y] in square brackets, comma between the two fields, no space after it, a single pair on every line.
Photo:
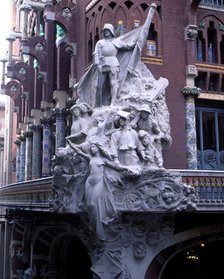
[111,141]
[106,146]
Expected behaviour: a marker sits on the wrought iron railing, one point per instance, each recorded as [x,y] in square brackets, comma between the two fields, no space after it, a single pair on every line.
[213,3]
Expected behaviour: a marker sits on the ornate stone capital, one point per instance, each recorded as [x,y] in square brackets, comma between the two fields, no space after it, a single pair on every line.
[17,142]
[28,134]
[59,111]
[35,127]
[22,138]
[191,91]
[46,121]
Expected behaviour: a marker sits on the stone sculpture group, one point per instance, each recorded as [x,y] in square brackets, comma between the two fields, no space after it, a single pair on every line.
[113,160]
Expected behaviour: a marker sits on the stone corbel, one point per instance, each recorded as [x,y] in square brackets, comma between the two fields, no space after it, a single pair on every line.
[25,95]
[16,109]
[191,32]
[71,48]
[42,76]
[46,109]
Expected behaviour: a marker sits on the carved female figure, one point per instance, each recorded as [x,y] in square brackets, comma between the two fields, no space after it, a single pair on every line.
[98,195]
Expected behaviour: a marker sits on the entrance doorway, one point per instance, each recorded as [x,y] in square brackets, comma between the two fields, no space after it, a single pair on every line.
[73,261]
[203,261]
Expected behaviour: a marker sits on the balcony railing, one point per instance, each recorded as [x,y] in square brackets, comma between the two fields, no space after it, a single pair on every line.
[213,3]
[35,194]
[209,186]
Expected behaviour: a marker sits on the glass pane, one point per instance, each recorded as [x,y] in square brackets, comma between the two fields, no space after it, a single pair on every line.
[221,130]
[208,119]
[198,130]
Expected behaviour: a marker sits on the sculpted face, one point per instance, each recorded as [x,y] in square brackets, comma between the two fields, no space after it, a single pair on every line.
[123,121]
[76,111]
[94,149]
[107,33]
[145,140]
[144,114]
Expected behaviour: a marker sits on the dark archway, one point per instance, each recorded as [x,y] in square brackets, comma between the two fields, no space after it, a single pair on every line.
[72,259]
[197,262]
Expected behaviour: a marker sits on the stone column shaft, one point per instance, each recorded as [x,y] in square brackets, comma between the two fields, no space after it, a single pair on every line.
[47,146]
[22,160]
[17,142]
[190,93]
[28,156]
[37,152]
[60,114]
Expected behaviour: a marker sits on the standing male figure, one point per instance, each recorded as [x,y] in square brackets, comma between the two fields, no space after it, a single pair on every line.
[105,58]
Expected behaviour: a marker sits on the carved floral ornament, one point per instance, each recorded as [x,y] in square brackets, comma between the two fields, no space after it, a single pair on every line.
[13,88]
[22,71]
[67,13]
[39,47]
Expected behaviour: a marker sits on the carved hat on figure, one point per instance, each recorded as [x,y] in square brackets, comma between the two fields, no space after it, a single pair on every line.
[145,108]
[75,107]
[123,114]
[110,27]
[142,133]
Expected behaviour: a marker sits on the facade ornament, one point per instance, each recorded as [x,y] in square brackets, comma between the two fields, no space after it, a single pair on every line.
[191,32]
[67,13]
[202,24]
[39,47]
[221,26]
[42,76]
[71,48]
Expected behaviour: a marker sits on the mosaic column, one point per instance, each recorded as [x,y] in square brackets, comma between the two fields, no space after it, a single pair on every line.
[22,159]
[28,157]
[190,93]
[61,127]
[17,142]
[37,151]
[47,146]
